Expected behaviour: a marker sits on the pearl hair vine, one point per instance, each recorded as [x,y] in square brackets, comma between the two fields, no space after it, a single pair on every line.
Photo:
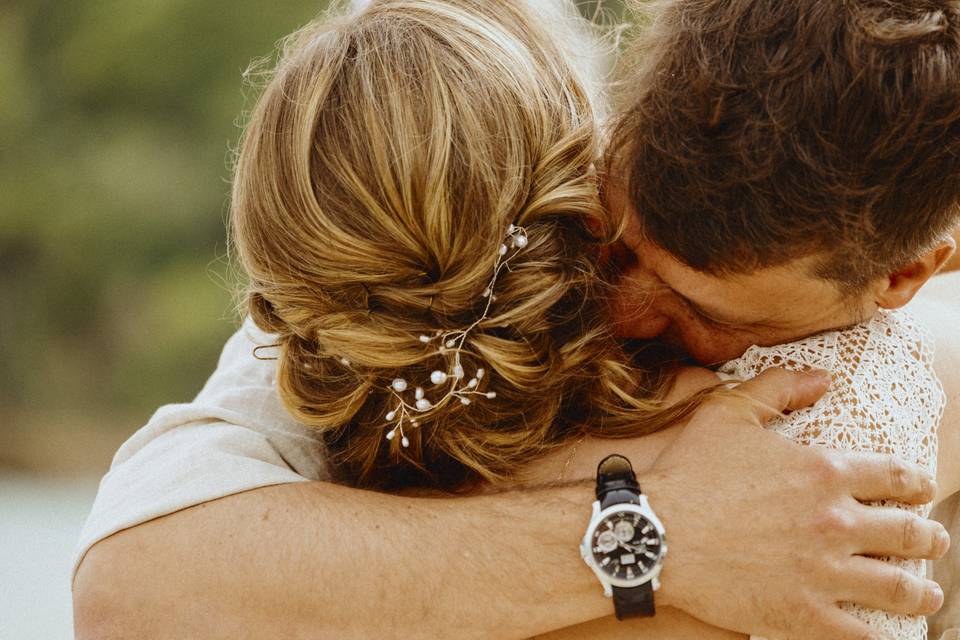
[451,347]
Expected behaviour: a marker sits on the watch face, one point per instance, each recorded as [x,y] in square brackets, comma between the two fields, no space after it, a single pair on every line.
[626,545]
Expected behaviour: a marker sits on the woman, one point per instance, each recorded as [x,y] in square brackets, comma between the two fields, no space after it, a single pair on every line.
[416,206]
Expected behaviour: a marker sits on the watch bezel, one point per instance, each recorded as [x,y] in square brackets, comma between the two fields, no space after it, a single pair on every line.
[586,546]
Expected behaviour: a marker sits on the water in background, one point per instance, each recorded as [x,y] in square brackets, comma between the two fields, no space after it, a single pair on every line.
[40,520]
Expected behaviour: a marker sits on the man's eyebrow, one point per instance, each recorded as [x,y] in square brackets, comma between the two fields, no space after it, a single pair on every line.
[767,321]
[709,315]
[693,306]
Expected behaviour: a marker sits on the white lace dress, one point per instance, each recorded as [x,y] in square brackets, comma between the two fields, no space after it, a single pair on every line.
[885,398]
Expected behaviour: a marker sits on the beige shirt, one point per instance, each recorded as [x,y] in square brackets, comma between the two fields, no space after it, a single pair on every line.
[234,436]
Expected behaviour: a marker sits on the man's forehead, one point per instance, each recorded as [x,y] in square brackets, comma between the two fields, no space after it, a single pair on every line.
[770,295]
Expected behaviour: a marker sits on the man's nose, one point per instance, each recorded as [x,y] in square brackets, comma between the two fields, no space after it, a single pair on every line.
[640,321]
[647,325]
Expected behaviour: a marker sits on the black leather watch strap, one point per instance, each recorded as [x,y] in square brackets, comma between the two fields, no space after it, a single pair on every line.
[632,602]
[616,482]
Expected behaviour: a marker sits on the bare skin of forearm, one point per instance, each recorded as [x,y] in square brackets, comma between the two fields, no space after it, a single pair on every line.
[340,595]
[668,624]
[502,566]
[549,592]
[315,560]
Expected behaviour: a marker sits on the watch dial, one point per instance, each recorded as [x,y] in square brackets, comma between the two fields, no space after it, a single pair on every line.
[626,545]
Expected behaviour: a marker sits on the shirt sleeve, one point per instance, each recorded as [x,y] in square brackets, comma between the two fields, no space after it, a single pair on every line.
[188,465]
[233,437]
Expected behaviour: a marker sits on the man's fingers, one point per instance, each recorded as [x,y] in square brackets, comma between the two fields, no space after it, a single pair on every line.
[882,585]
[881,477]
[778,390]
[888,531]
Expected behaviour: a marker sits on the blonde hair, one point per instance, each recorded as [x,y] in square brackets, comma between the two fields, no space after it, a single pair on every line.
[384,162]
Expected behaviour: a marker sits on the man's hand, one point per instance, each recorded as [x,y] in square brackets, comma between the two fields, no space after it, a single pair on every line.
[767,536]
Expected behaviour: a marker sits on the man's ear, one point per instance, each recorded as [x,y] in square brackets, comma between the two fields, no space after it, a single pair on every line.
[903,284]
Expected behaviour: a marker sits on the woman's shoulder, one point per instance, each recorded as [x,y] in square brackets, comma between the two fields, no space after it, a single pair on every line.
[889,342]
[885,396]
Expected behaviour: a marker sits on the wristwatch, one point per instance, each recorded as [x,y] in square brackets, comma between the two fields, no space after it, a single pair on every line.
[625,542]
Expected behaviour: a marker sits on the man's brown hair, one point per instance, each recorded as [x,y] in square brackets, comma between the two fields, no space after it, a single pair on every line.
[760,131]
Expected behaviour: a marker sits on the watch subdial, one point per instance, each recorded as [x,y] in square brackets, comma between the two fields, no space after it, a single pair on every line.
[624,531]
[607,541]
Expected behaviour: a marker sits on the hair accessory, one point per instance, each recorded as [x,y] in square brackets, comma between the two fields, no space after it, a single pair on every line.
[451,346]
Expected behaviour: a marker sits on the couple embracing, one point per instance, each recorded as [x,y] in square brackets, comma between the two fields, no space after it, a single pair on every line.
[480,300]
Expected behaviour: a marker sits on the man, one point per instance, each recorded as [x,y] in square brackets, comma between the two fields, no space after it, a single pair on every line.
[778,157]
[318,560]
[789,168]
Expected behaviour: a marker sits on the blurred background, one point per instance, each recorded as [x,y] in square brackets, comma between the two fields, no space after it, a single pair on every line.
[116,124]
[117,121]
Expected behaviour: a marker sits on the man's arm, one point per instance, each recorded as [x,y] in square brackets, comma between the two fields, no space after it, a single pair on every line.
[770,548]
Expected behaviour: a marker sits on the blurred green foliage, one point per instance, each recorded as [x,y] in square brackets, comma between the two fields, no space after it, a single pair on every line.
[116,121]
[116,125]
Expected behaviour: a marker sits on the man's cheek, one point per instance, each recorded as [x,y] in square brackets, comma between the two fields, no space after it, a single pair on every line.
[634,313]
[710,347]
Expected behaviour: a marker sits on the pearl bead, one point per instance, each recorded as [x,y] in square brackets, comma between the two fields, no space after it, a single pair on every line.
[492,394]
[405,441]
[418,394]
[399,385]
[480,373]
[391,435]
[391,415]
[464,400]
[503,249]
[424,405]
[472,383]
[458,372]
[520,241]
[438,377]
[424,339]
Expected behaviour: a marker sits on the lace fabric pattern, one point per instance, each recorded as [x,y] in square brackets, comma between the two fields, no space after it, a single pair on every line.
[885,398]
